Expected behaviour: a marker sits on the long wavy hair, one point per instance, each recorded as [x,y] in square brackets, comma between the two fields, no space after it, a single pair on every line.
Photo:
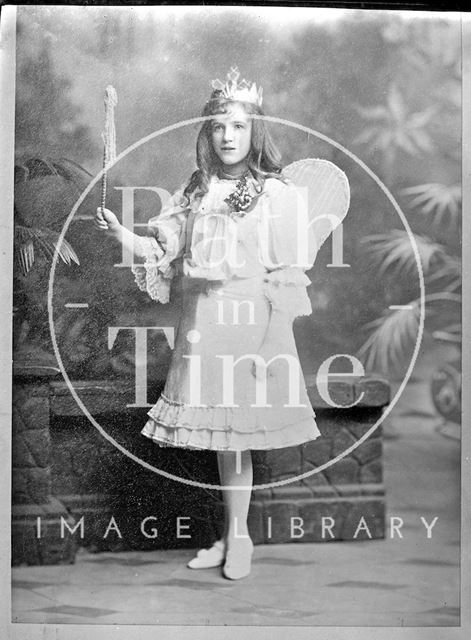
[264,159]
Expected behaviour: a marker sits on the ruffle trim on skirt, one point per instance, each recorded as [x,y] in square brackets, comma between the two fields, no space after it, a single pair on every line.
[227,429]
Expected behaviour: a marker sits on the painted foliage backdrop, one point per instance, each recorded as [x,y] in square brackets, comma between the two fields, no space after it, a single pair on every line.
[384,86]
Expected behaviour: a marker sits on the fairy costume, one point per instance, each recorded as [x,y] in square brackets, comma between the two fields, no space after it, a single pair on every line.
[237,269]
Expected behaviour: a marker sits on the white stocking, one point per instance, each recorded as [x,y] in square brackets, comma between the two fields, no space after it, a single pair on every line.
[235,469]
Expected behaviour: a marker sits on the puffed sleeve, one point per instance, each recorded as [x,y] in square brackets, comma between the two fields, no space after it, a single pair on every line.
[164,243]
[285,281]
[297,223]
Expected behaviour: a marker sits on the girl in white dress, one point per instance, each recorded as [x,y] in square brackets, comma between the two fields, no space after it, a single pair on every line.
[231,233]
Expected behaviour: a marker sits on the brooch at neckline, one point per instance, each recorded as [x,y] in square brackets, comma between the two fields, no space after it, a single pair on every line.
[240,199]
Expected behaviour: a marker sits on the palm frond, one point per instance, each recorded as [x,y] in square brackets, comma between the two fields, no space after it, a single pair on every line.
[372,113]
[436,200]
[27,239]
[444,296]
[48,242]
[394,251]
[393,336]
[39,166]
[71,164]
[391,127]
[451,333]
[450,270]
[448,336]
[24,256]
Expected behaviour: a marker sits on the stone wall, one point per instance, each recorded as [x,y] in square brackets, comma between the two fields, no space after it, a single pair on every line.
[35,512]
[65,470]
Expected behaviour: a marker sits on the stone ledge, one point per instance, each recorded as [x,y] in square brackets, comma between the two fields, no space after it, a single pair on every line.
[103,396]
[346,390]
[346,514]
[324,491]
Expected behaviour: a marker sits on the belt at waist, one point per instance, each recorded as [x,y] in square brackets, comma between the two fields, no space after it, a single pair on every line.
[234,287]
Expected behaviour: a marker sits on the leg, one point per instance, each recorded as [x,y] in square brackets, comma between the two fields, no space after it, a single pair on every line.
[235,469]
[216,554]
[236,501]
[221,464]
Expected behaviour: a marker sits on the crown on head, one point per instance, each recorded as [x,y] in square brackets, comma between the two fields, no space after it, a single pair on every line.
[234,90]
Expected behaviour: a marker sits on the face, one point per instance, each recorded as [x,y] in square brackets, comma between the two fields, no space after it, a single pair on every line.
[231,135]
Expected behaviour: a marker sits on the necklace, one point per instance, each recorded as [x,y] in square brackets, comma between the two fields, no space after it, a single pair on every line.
[240,199]
[228,176]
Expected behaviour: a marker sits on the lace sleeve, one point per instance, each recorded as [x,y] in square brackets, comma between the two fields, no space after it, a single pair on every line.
[165,243]
[148,276]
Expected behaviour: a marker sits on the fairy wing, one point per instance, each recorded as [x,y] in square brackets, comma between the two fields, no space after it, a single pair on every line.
[327,191]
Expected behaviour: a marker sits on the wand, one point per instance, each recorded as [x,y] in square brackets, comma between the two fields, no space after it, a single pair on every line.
[109,137]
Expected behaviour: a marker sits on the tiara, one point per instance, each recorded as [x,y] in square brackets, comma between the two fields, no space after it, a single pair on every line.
[234,90]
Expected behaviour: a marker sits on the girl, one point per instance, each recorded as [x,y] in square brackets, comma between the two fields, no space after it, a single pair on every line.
[234,382]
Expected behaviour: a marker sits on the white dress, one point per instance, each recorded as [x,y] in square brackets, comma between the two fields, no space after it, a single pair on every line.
[235,272]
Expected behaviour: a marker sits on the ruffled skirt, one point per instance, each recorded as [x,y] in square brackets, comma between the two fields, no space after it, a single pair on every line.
[211,398]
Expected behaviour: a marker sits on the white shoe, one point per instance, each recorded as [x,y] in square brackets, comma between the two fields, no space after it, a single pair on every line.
[209,558]
[238,559]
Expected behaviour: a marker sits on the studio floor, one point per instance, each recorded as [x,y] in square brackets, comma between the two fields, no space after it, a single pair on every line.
[408,581]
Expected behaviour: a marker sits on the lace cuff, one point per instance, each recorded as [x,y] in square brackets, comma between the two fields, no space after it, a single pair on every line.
[286,291]
[154,276]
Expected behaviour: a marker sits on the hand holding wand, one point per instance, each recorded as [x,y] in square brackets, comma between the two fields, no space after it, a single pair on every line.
[105,220]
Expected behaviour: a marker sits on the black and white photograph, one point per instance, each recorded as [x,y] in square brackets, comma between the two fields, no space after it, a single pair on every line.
[235,273]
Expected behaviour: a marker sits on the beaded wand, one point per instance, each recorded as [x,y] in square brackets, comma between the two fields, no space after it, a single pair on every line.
[109,137]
